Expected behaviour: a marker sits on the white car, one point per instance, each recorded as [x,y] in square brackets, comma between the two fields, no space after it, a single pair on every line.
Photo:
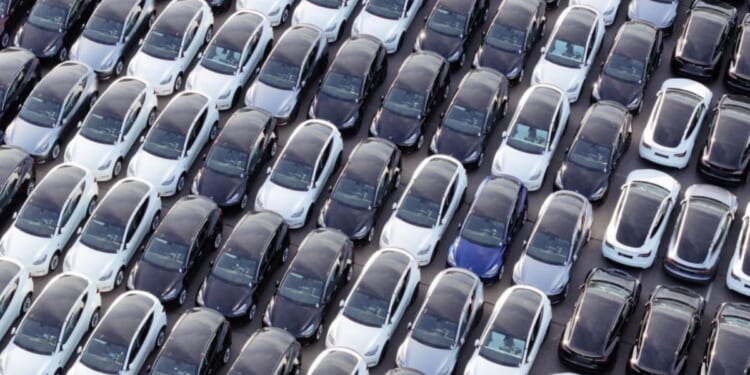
[301,172]
[607,8]
[16,293]
[49,218]
[571,49]
[234,54]
[112,127]
[276,11]
[514,334]
[533,135]
[370,315]
[338,361]
[738,274]
[330,16]
[173,143]
[426,208]
[675,122]
[637,225]
[386,20]
[49,334]
[164,56]
[660,13]
[114,232]
[133,327]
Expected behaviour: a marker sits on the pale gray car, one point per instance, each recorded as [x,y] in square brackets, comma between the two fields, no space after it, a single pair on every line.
[660,13]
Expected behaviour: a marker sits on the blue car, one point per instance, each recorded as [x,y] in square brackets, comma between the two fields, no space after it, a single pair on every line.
[497,213]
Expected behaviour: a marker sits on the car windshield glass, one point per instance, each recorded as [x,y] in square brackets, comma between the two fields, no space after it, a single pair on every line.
[699,221]
[565,53]
[342,86]
[303,289]
[549,248]
[674,116]
[506,38]
[729,348]
[659,351]
[354,193]
[502,348]
[164,143]
[227,160]
[165,253]
[292,174]
[167,365]
[333,4]
[447,22]
[405,103]
[391,9]
[37,220]
[464,120]
[103,236]
[419,211]
[434,330]
[235,269]
[527,138]
[638,213]
[279,74]
[624,68]
[162,45]
[221,59]
[366,309]
[40,111]
[36,336]
[103,30]
[101,129]
[48,16]
[590,155]
[104,356]
[484,230]
[609,288]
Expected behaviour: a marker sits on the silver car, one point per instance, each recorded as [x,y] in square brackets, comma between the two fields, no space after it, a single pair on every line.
[562,229]
[111,32]
[660,13]
[53,107]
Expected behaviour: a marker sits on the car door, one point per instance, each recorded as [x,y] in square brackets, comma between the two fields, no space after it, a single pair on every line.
[250,57]
[323,170]
[196,139]
[134,124]
[140,347]
[190,43]
[137,229]
[411,9]
[534,342]
[73,331]
[76,8]
[400,304]
[71,215]
[13,91]
[452,200]
[8,309]
[9,189]
[71,104]
[131,25]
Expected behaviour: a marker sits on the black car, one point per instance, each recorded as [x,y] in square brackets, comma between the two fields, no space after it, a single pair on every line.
[726,350]
[449,27]
[323,264]
[480,101]
[371,174]
[19,72]
[704,38]
[601,140]
[52,27]
[592,336]
[667,330]
[10,16]
[357,70]
[268,351]
[632,59]
[17,178]
[506,44]
[421,83]
[726,153]
[737,75]
[170,258]
[200,343]
[259,243]
[246,141]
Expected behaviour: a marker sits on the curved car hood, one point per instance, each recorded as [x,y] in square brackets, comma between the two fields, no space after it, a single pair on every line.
[346,219]
[155,280]
[477,258]
[19,361]
[24,247]
[395,128]
[443,45]
[152,168]
[209,82]
[89,262]
[518,163]
[223,296]
[480,366]
[353,335]
[334,110]
[88,153]
[557,75]
[280,199]
[151,69]
[425,358]
[406,236]
[80,369]
[322,17]
[378,27]
[542,276]
[269,98]
[263,7]
[600,5]
[217,186]
[291,316]
[619,91]
[582,180]
[654,12]
[27,136]
[94,54]
[502,61]
[37,39]
[456,144]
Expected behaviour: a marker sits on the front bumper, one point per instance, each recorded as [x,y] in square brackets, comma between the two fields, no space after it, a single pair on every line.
[737,285]
[583,363]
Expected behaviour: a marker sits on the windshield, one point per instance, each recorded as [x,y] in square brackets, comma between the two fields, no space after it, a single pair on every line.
[590,155]
[37,219]
[506,38]
[170,366]
[36,336]
[103,236]
[527,138]
[161,45]
[103,356]
[624,68]
[235,269]
[699,222]
[48,16]
[103,30]
[333,4]
[435,331]
[548,248]
[565,53]
[419,211]
[464,120]
[484,231]
[164,143]
[221,59]
[447,22]
[164,253]
[279,74]
[227,160]
[101,129]
[391,9]
[342,86]
[366,309]
[638,213]
[405,103]
[303,289]
[502,348]
[40,111]
[354,193]
[292,174]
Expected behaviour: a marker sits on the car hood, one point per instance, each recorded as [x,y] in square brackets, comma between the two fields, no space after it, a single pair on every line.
[225,297]
[395,128]
[151,69]
[600,5]
[480,366]
[95,54]
[619,91]
[443,45]
[280,199]
[345,218]
[292,317]
[334,110]
[16,360]
[155,280]
[24,247]
[557,75]
[381,28]
[90,262]
[477,258]
[88,153]
[518,163]
[27,136]
[457,144]
[37,39]
[543,276]
[322,17]
[209,82]
[502,61]
[425,358]
[270,98]
[654,12]
[406,236]
[263,7]
[79,369]
[582,180]
[151,167]
[350,334]
[219,187]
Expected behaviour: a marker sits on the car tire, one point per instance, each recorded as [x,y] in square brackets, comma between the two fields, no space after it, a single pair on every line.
[214,132]
[91,207]
[62,54]
[420,141]
[399,43]
[349,273]
[236,98]
[178,82]
[120,277]
[209,34]
[226,355]
[30,185]
[155,220]
[285,255]
[381,357]
[244,201]
[308,217]
[319,332]
[180,184]
[251,311]
[94,321]
[58,371]
[117,168]
[151,19]
[161,337]
[182,297]
[218,238]
[119,67]
[4,40]
[54,261]
[340,33]
[26,304]
[151,117]
[54,153]
[284,15]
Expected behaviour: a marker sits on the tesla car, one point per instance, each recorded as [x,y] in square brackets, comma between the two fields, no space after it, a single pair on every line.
[426,208]
[234,54]
[111,128]
[737,75]
[452,307]
[48,219]
[726,153]
[16,292]
[592,336]
[602,139]
[450,26]
[298,57]
[607,8]
[183,27]
[725,350]
[51,27]
[420,85]
[19,72]
[571,50]
[50,110]
[660,13]
[358,69]
[17,178]
[479,103]
[640,218]
[632,59]
[507,43]
[114,232]
[257,246]
[331,16]
[533,135]
[268,351]
[514,334]
[675,122]
[498,211]
[562,229]
[172,255]
[112,33]
[368,318]
[404,371]
[338,361]
[371,174]
[323,264]
[276,11]
[185,125]
[10,17]
[704,38]
[738,274]
[386,20]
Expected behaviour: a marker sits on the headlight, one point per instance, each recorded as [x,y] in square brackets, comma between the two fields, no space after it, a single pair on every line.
[372,351]
[274,11]
[199,298]
[105,164]
[573,89]
[225,94]
[172,293]
[50,49]
[492,271]
[168,180]
[558,180]
[298,212]
[536,174]
[308,331]
[234,198]
[40,259]
[108,62]
[424,251]
[311,112]
[599,193]
[131,281]
[452,254]
[267,315]
[42,147]
[331,27]
[473,156]
[455,55]
[166,80]
[595,92]
[361,231]
[258,204]
[240,309]
[412,138]
[392,38]
[349,122]
[106,275]
[634,102]
[286,109]
[514,72]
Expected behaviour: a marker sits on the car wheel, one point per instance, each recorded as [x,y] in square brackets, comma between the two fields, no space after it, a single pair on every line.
[542,30]
[180,184]
[284,15]
[243,202]
[214,131]
[274,148]
[505,108]
[117,168]
[120,277]
[58,371]
[209,34]
[55,152]
[285,255]
[151,117]
[62,54]
[91,207]
[5,40]
[54,261]
[251,312]
[400,42]
[349,273]
[520,76]
[155,220]
[161,337]
[94,319]
[319,332]
[480,160]
[151,19]
[462,60]
[218,237]
[119,67]
[26,304]
[370,234]
[182,297]
[30,187]
[178,83]
[420,141]
[227,355]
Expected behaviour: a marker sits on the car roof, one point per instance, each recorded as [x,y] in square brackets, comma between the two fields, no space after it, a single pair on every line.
[56,186]
[185,218]
[10,158]
[635,40]
[516,13]
[243,128]
[336,362]
[497,198]
[448,299]
[418,71]
[602,123]
[355,56]
[63,3]
[8,270]
[263,351]
[124,318]
[60,80]
[663,335]
[237,30]
[176,17]
[540,107]
[120,202]
[12,59]
[478,88]
[433,179]
[114,9]
[458,6]
[191,333]
[517,313]
[383,275]
[599,312]
[368,160]
[561,215]
[317,253]
[181,112]
[296,42]
[57,298]
[117,99]
[578,23]
[252,234]
[308,141]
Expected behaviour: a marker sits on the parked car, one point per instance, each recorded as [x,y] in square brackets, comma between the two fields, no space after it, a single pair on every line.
[608,8]
[331,16]
[450,26]
[276,11]
[660,13]
[726,153]
[17,292]
[701,46]
[738,272]
[268,350]
[19,72]
[386,20]
[10,18]
[51,27]
[338,360]
[729,336]
[737,76]
[17,178]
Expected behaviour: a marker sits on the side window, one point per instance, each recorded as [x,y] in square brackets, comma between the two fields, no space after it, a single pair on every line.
[133,115]
[70,103]
[132,19]
[448,199]
[382,187]
[141,338]
[590,48]
[694,122]
[137,219]
[251,48]
[10,186]
[409,4]
[7,297]
[73,14]
[257,154]
[323,160]
[659,220]
[73,321]
[190,35]
[193,135]
[464,321]
[71,206]
[400,293]
[11,92]
[534,332]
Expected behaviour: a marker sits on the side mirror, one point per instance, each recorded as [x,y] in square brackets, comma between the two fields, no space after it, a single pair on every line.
[504,134]
[459,226]
[476,343]
[484,34]
[395,206]
[567,149]
[543,50]
[204,156]
[409,326]
[277,283]
[79,124]
[140,42]
[425,19]
[382,98]
[461,341]
[13,331]
[320,82]
[442,114]
[79,230]
[79,349]
[142,139]
[200,55]
[330,188]
[15,215]
[268,170]
[524,243]
[341,303]
[211,262]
